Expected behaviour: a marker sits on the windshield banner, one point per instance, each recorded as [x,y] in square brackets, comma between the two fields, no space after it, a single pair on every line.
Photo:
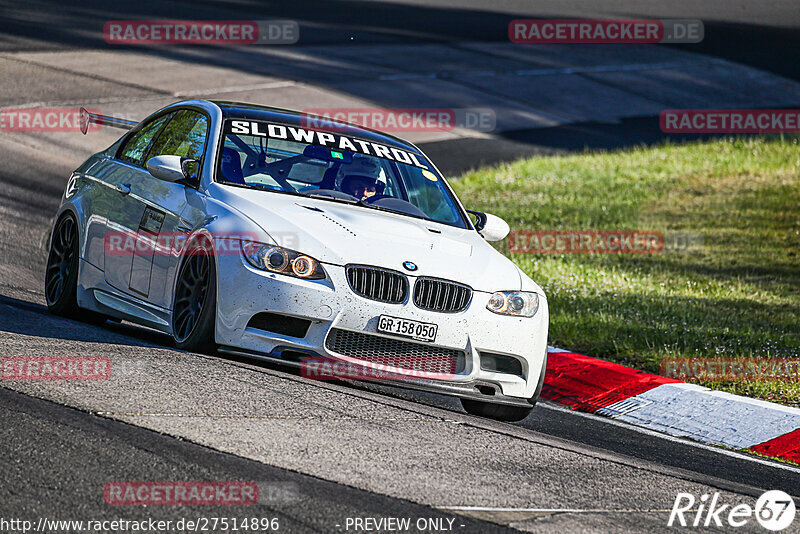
[329,140]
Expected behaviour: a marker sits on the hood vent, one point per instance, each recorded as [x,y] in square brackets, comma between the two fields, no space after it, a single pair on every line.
[334,221]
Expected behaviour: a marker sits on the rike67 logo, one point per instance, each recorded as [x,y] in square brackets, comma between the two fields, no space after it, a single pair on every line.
[774,510]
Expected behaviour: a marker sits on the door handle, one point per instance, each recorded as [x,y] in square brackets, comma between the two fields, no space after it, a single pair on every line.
[123,188]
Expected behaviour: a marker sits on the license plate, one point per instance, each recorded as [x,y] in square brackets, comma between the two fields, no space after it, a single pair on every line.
[407,328]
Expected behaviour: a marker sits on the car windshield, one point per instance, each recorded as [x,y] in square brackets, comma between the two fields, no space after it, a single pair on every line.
[335,166]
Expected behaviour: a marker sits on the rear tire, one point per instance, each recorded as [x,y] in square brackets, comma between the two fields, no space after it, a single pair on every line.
[500,412]
[61,274]
[194,310]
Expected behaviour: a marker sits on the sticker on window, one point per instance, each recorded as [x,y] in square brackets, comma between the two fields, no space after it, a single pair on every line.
[325,139]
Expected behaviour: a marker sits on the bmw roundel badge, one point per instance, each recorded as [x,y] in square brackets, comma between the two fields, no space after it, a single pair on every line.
[410,265]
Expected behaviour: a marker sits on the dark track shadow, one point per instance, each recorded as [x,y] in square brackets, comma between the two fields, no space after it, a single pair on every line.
[31,319]
[732,36]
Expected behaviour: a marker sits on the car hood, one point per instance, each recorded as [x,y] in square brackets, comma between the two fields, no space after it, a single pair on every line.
[339,234]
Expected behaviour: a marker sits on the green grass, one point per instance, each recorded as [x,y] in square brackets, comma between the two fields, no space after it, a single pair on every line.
[737,295]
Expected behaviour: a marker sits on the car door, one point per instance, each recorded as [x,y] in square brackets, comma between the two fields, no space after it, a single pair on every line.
[124,215]
[172,210]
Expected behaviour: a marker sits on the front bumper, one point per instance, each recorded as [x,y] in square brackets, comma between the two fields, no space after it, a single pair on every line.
[244,291]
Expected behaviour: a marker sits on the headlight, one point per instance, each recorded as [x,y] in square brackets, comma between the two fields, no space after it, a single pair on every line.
[516,303]
[282,260]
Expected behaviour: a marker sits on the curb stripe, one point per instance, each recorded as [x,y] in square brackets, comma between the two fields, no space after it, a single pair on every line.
[589,384]
[696,412]
[786,447]
[670,406]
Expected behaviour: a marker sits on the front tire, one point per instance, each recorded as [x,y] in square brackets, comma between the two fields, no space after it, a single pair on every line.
[195,307]
[500,412]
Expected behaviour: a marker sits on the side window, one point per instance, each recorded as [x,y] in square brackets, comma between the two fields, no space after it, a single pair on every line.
[136,147]
[184,136]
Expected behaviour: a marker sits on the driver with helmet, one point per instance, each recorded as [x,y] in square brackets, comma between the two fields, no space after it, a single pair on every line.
[360,178]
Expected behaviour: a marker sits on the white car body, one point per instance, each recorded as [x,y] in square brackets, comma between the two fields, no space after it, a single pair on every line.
[106,194]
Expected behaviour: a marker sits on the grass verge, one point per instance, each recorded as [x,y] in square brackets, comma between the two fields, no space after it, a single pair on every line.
[735,296]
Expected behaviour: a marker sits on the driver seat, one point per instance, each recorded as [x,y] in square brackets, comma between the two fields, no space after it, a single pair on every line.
[232,166]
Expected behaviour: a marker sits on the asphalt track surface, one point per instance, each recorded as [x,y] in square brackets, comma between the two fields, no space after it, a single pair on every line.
[763,35]
[759,34]
[344,450]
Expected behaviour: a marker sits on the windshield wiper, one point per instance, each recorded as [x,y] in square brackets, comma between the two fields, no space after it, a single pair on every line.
[390,210]
[328,197]
[354,202]
[322,196]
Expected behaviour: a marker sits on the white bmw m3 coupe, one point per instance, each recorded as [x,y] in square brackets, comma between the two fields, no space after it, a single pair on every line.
[268,233]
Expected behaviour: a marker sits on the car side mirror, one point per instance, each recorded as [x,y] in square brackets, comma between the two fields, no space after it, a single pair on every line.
[173,168]
[490,227]
[191,170]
